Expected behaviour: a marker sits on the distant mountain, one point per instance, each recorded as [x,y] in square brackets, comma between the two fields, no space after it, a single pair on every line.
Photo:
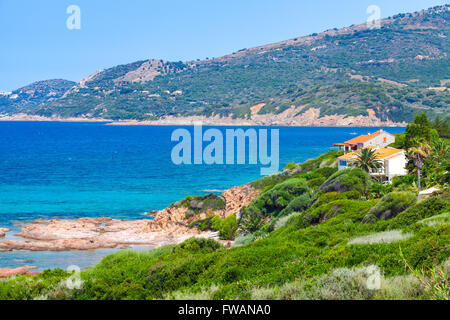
[385,74]
[34,95]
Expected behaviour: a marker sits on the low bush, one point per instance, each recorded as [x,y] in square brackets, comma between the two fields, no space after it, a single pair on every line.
[270,204]
[437,220]
[404,180]
[352,179]
[382,237]
[298,204]
[47,285]
[226,227]
[327,171]
[290,166]
[425,209]
[200,204]
[392,204]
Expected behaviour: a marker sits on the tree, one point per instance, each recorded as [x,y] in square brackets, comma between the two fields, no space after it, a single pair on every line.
[367,160]
[418,154]
[440,150]
[420,129]
[436,168]
[442,126]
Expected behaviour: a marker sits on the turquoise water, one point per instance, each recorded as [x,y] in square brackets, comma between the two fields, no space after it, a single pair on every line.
[71,170]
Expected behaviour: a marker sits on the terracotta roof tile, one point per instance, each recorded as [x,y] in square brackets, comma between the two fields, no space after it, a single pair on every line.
[364,138]
[381,153]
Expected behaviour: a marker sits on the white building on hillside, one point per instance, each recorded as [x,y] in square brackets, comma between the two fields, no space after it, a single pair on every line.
[380,139]
[394,162]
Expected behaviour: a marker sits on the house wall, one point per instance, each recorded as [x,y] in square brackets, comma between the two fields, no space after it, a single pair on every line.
[379,141]
[396,166]
[342,164]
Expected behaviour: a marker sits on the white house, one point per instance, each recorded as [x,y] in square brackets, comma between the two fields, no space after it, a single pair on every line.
[380,139]
[394,162]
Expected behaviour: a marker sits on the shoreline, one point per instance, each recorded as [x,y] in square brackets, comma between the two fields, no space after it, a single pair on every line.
[169,226]
[219,122]
[30,118]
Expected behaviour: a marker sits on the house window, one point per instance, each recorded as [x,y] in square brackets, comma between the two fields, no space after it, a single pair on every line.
[343,163]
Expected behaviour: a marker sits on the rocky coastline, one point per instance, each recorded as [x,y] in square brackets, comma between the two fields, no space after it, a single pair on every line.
[168,226]
[288,118]
[26,270]
[3,232]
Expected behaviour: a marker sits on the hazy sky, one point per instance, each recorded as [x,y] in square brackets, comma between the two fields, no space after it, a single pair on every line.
[37,45]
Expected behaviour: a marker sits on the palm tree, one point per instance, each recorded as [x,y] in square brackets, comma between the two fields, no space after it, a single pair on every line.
[367,160]
[419,153]
[440,150]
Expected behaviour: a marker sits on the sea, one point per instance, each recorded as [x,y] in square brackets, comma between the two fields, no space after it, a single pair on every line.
[65,170]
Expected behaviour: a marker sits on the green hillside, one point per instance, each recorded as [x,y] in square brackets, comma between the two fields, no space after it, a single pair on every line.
[346,71]
[391,73]
[313,233]
[33,95]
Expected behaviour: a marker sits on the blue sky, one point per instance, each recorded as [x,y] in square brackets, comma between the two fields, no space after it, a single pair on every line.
[36,44]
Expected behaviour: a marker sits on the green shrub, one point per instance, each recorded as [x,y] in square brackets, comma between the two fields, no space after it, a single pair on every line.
[291,166]
[378,190]
[425,209]
[400,288]
[327,171]
[244,240]
[200,204]
[204,224]
[354,210]
[236,290]
[382,237]
[47,285]
[316,182]
[392,204]
[330,196]
[404,180]
[437,220]
[270,204]
[352,195]
[269,182]
[325,160]
[347,180]
[284,220]
[227,227]
[298,204]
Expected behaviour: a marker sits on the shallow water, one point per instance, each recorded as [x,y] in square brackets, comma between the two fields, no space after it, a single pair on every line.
[71,170]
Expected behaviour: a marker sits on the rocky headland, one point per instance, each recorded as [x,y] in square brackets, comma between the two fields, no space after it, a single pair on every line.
[26,270]
[168,226]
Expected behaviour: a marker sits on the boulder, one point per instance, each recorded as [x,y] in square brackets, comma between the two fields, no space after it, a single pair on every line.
[6,272]
[3,232]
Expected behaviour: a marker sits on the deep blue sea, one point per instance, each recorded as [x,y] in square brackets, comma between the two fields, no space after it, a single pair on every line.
[68,170]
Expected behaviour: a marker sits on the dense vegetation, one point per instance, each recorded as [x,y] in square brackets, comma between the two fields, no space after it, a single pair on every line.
[313,233]
[33,95]
[344,72]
